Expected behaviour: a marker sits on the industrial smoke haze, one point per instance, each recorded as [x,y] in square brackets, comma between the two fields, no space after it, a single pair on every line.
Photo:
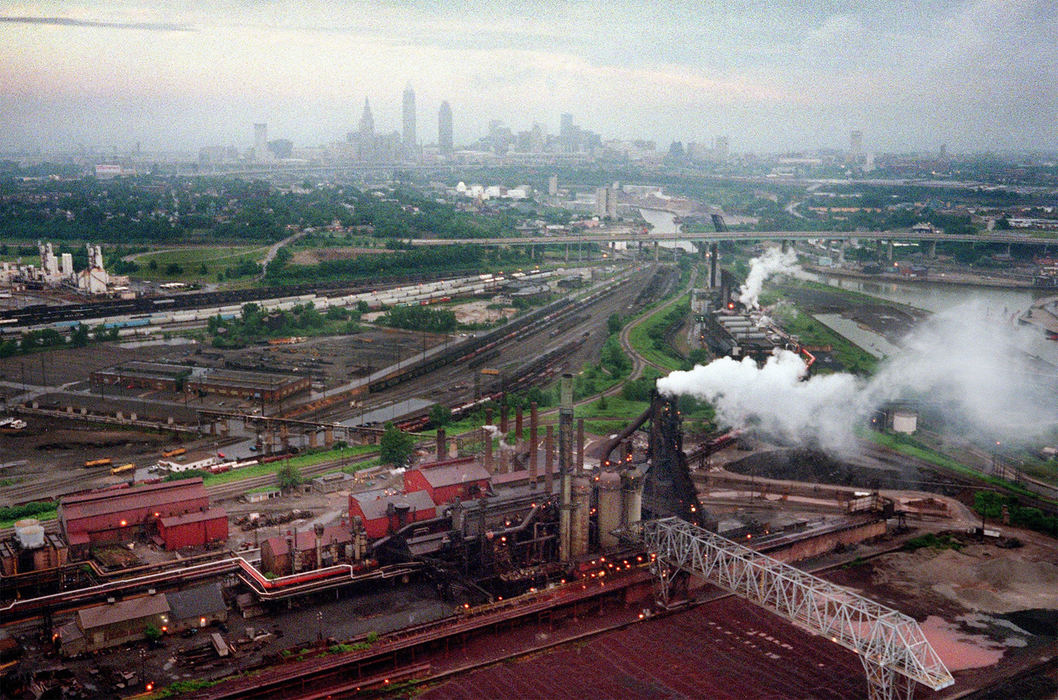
[774,261]
[973,370]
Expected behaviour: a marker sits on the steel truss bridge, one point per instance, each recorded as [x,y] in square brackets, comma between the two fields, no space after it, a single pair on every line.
[895,654]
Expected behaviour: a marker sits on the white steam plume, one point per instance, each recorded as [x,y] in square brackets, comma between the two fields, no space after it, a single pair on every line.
[973,371]
[773,262]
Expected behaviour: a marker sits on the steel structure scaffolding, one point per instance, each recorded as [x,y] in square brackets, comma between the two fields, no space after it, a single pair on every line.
[894,652]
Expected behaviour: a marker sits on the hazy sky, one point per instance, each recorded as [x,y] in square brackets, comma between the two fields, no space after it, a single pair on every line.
[912,74]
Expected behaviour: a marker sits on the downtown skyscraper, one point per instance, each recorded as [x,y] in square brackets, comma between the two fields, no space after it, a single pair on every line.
[444,129]
[408,138]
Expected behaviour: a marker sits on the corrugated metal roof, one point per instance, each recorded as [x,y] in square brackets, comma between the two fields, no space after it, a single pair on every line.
[122,611]
[374,503]
[143,496]
[196,602]
[195,517]
[452,474]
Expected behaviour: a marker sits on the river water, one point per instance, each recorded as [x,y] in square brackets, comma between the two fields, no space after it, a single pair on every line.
[664,223]
[1000,306]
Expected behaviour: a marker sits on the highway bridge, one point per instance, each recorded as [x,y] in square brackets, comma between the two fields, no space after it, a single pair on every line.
[633,234]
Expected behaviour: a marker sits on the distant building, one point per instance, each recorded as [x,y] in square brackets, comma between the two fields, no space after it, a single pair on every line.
[606,202]
[567,133]
[552,186]
[408,138]
[855,146]
[444,129]
[367,122]
[260,142]
[722,150]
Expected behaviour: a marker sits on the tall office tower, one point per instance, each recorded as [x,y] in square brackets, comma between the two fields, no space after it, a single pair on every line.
[367,122]
[606,202]
[408,134]
[855,145]
[566,132]
[444,129]
[722,148]
[260,141]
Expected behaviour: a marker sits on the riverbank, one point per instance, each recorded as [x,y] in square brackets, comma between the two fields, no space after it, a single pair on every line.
[962,279]
[1043,314]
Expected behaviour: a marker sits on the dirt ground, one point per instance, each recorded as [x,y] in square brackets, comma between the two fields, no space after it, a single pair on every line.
[477,312]
[314,256]
[890,321]
[989,612]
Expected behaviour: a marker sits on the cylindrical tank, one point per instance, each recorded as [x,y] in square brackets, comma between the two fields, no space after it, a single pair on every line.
[610,507]
[29,533]
[581,498]
[632,498]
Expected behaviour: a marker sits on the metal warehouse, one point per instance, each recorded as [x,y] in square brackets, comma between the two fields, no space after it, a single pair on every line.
[120,514]
[143,375]
[260,386]
[446,481]
[382,515]
[193,529]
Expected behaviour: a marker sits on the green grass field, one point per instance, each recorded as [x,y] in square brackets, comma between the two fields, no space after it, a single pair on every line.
[190,261]
[642,338]
[298,462]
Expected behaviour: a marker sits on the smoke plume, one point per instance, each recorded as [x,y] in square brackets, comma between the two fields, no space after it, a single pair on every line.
[973,372]
[773,262]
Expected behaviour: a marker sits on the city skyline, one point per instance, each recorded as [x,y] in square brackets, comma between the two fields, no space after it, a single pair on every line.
[974,74]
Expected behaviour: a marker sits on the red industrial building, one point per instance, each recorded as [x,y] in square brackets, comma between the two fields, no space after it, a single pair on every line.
[446,481]
[120,514]
[382,514]
[193,529]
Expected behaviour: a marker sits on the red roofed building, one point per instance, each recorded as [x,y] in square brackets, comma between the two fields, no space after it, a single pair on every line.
[448,480]
[383,515]
[304,551]
[120,514]
[193,529]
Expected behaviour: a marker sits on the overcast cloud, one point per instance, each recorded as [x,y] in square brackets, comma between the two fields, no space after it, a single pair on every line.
[979,74]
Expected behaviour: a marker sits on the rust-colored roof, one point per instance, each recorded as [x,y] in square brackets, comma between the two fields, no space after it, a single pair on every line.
[194,517]
[374,503]
[452,474]
[306,539]
[109,501]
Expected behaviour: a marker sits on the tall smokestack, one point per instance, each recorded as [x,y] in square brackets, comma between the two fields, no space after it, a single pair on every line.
[549,457]
[518,424]
[442,444]
[487,435]
[488,415]
[565,459]
[504,426]
[580,445]
[532,434]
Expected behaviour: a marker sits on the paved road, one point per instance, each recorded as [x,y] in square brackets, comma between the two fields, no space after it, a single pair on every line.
[270,255]
[632,235]
[640,363]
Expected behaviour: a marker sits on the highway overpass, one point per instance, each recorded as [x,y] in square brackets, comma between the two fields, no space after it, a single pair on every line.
[634,235]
